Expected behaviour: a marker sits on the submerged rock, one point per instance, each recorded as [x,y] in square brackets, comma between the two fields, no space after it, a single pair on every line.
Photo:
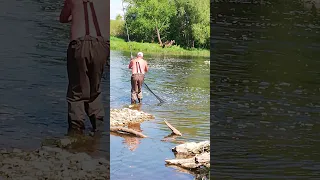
[125,116]
[191,155]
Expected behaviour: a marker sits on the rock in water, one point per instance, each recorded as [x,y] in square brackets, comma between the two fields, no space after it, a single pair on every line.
[192,148]
[122,117]
[191,155]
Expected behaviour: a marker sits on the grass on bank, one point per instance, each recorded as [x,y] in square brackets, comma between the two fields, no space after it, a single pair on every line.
[153,48]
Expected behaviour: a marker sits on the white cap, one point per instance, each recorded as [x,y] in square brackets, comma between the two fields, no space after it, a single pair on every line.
[140,54]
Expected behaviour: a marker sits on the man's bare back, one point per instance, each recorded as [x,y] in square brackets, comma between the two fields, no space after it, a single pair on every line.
[143,65]
[74,9]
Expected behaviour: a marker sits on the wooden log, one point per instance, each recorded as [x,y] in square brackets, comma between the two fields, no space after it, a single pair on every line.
[172,138]
[174,130]
[127,130]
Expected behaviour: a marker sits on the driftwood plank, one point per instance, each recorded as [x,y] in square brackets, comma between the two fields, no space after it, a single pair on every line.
[173,129]
[127,130]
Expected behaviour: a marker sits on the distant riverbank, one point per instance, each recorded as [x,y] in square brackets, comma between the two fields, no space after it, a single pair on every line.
[153,48]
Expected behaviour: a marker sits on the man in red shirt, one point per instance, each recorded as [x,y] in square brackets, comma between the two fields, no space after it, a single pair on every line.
[138,68]
[87,55]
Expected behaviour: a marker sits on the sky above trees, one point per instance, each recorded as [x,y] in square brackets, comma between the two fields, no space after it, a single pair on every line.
[116,8]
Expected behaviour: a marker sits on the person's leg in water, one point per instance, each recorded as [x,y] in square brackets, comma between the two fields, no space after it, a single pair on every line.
[140,80]
[94,107]
[134,88]
[78,88]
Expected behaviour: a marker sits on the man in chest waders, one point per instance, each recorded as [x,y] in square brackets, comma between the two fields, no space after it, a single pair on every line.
[138,68]
[87,55]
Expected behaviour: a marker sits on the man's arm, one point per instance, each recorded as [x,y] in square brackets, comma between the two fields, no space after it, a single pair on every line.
[65,15]
[146,67]
[131,63]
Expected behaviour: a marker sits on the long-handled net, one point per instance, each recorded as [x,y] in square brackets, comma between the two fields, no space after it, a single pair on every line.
[161,101]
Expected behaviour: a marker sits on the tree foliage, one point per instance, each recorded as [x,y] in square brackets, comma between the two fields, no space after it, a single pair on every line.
[116,27]
[185,21]
[118,17]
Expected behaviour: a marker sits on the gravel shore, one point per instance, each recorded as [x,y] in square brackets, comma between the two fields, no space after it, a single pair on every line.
[51,164]
[56,163]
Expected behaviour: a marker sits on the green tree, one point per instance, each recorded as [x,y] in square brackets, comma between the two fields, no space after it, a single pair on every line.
[185,21]
[117,27]
[118,17]
[147,18]
[192,22]
[200,20]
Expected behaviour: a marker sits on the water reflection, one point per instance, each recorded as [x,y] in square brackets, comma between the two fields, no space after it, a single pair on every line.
[132,142]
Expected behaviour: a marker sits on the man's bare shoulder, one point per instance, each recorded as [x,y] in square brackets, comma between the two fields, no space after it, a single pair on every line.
[143,60]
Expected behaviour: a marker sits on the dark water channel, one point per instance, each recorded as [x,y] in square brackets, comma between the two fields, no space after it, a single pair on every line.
[184,84]
[266,83]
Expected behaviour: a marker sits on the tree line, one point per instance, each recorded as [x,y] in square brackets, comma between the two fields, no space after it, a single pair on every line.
[187,22]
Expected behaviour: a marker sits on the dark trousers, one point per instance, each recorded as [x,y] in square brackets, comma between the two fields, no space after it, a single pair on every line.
[136,86]
[86,59]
